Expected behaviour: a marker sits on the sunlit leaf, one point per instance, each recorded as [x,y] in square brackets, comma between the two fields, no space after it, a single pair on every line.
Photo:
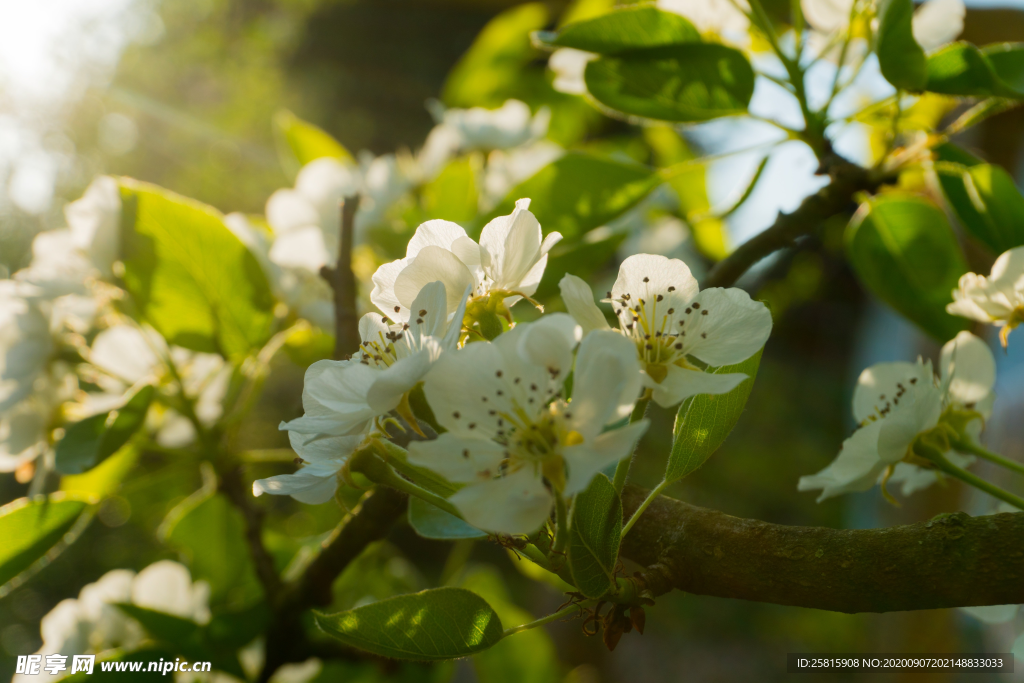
[703,422]
[580,192]
[105,479]
[300,142]
[691,82]
[35,530]
[962,69]
[453,195]
[432,522]
[987,202]
[440,623]
[89,442]
[901,59]
[623,29]
[189,276]
[596,529]
[904,251]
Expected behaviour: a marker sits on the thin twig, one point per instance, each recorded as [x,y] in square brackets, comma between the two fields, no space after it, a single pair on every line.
[343,282]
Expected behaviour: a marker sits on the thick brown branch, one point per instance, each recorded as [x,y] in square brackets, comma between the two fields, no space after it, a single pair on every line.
[343,283]
[835,198]
[951,561]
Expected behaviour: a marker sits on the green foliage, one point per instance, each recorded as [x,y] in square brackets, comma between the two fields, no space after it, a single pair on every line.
[904,250]
[580,192]
[595,532]
[380,571]
[492,66]
[453,194]
[691,82]
[300,142]
[581,258]
[901,59]
[432,522]
[440,623]
[104,479]
[987,202]
[703,422]
[624,29]
[36,529]
[91,441]
[210,532]
[967,71]
[183,637]
[189,276]
[527,655]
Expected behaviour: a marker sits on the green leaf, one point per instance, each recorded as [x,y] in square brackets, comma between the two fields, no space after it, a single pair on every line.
[189,276]
[89,442]
[901,59]
[300,142]
[904,251]
[624,29]
[183,637]
[210,533]
[595,532]
[453,195]
[692,82]
[527,655]
[105,479]
[703,422]
[380,572]
[440,623]
[962,69]
[987,202]
[432,522]
[37,530]
[496,59]
[580,192]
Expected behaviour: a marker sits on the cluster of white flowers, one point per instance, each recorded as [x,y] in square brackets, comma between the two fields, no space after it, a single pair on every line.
[513,440]
[997,299]
[93,624]
[897,405]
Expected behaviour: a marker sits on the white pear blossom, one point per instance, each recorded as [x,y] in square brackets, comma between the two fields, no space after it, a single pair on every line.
[935,22]
[509,261]
[668,320]
[342,399]
[507,168]
[25,341]
[569,64]
[997,299]
[93,624]
[510,125]
[721,17]
[512,439]
[95,223]
[894,403]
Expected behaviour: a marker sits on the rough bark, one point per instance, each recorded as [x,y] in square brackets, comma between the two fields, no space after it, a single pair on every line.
[953,560]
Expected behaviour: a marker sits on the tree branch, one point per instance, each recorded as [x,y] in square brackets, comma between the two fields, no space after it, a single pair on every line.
[343,282]
[835,198]
[953,560]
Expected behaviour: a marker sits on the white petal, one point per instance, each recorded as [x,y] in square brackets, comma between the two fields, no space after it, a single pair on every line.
[827,15]
[903,425]
[305,487]
[331,452]
[334,399]
[430,265]
[451,337]
[387,389]
[856,468]
[458,459]
[938,22]
[606,381]
[463,388]
[373,329]
[164,586]
[95,222]
[515,504]
[549,343]
[728,328]
[579,301]
[1008,270]
[23,431]
[288,210]
[512,244]
[681,383]
[882,383]
[302,247]
[383,295]
[436,233]
[968,367]
[431,310]
[587,459]
[568,65]
[642,279]
[127,352]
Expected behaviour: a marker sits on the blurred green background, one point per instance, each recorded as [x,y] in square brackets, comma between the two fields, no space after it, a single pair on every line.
[188,105]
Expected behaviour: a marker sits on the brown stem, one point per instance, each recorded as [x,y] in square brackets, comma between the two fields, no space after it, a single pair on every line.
[954,560]
[343,282]
[835,198]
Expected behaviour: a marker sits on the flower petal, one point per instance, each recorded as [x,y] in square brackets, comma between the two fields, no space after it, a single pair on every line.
[587,459]
[383,295]
[681,383]
[903,425]
[515,504]
[883,383]
[512,245]
[727,328]
[302,247]
[967,368]
[579,301]
[657,284]
[458,459]
[387,389]
[288,210]
[549,343]
[606,381]
[463,388]
[429,265]
[938,22]
[856,468]
[305,487]
[127,352]
[334,399]
[431,310]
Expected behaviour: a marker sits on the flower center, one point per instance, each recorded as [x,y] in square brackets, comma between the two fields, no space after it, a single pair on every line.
[383,351]
[537,441]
